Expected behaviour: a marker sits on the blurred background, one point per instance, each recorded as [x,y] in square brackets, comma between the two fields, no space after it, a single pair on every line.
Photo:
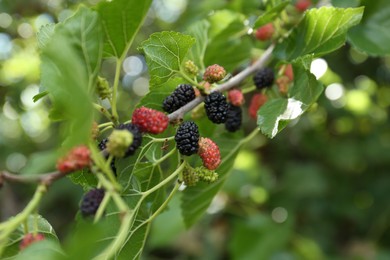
[319,190]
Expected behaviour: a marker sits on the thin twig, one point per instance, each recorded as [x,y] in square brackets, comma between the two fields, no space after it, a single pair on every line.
[234,81]
[46,178]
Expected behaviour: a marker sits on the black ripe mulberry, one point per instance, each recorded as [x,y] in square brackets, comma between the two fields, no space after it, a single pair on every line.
[182,95]
[234,118]
[137,137]
[187,138]
[102,145]
[216,107]
[264,78]
[91,201]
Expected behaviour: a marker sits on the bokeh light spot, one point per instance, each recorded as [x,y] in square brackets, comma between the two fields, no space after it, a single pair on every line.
[279,215]
[5,20]
[334,91]
[25,30]
[318,67]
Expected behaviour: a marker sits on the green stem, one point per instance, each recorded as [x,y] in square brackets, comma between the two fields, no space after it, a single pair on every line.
[113,248]
[164,157]
[250,136]
[128,217]
[103,111]
[167,180]
[6,228]
[160,140]
[102,207]
[115,89]
[186,77]
[248,90]
[110,188]
[105,129]
[163,206]
[105,124]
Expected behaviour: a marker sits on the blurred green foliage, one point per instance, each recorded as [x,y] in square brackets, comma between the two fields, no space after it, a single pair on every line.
[319,190]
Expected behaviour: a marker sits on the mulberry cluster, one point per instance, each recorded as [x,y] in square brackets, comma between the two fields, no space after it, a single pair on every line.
[216,107]
[187,137]
[182,95]
[76,159]
[91,202]
[264,78]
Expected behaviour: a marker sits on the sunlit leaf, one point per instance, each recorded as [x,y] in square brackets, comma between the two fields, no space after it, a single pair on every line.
[121,21]
[165,51]
[321,31]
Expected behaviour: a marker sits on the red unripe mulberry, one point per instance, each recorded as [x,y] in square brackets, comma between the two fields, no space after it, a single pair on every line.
[256,102]
[265,32]
[149,120]
[236,97]
[209,152]
[30,238]
[76,159]
[302,5]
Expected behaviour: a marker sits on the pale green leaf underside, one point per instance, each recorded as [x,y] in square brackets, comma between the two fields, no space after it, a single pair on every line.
[321,31]
[121,21]
[373,35]
[165,51]
[270,15]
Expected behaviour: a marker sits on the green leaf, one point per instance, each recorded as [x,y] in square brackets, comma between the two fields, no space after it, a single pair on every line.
[138,174]
[306,88]
[43,227]
[85,33]
[39,96]
[235,49]
[321,31]
[271,14]
[42,250]
[345,3]
[270,115]
[221,19]
[199,31]
[274,115]
[165,51]
[196,200]
[44,34]
[121,21]
[84,178]
[70,62]
[372,35]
